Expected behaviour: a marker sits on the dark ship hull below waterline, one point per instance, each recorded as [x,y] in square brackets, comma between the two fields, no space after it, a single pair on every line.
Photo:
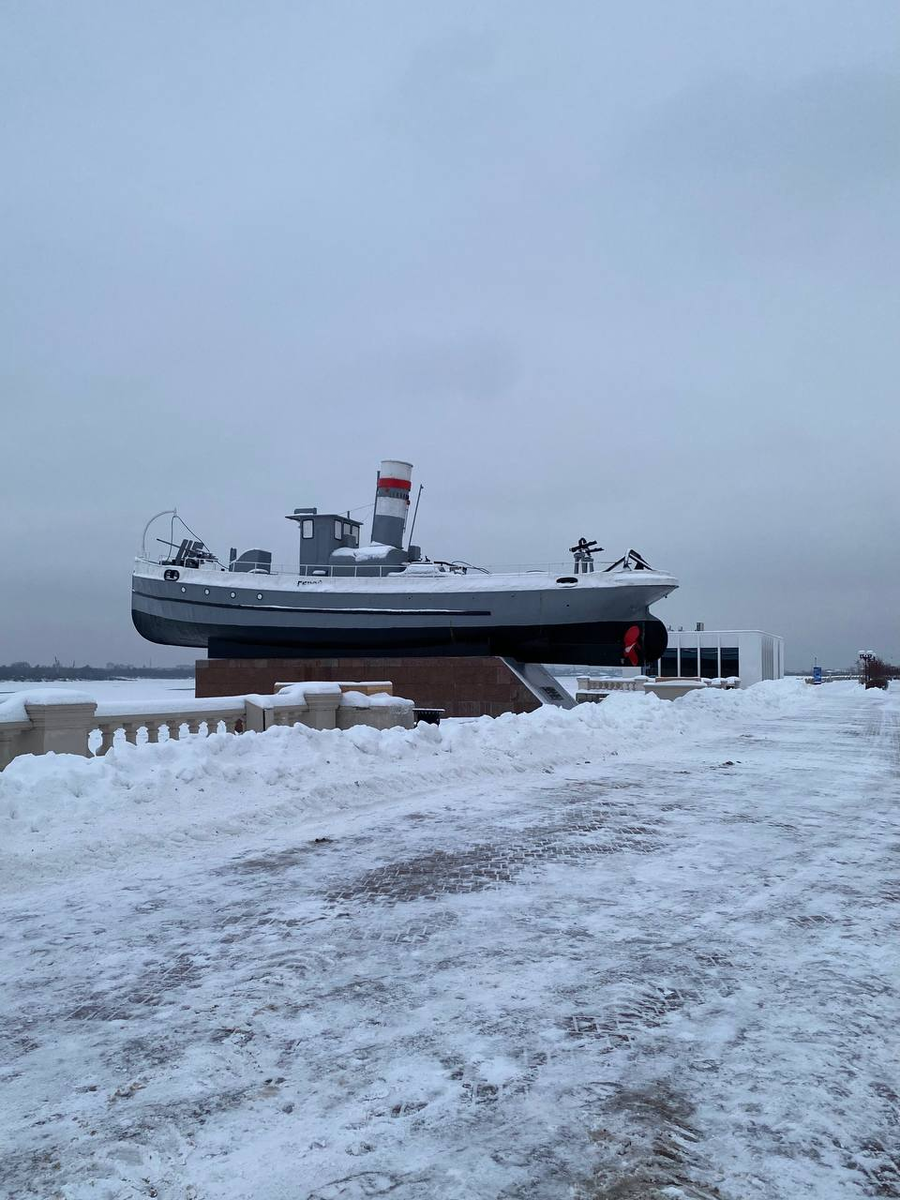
[601,643]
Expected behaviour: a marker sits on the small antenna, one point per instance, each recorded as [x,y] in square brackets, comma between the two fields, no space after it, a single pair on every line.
[412,528]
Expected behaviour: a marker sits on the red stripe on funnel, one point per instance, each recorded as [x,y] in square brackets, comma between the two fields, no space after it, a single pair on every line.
[386,482]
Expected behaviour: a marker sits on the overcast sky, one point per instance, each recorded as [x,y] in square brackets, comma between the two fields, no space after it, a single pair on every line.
[621,270]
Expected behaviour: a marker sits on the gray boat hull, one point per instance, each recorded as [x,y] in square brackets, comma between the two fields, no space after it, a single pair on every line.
[232,616]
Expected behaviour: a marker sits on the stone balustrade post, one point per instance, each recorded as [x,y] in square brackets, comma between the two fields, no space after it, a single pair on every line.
[322,710]
[378,717]
[254,716]
[107,736]
[58,728]
[10,733]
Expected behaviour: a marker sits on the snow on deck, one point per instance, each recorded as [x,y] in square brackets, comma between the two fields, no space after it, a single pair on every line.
[412,582]
[640,950]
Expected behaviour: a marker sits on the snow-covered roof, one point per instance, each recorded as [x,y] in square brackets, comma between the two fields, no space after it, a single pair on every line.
[374,552]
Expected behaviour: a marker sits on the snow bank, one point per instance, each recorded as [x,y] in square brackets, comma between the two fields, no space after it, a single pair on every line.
[62,809]
[770,698]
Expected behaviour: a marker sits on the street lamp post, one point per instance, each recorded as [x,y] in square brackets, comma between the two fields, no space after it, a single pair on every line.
[865,660]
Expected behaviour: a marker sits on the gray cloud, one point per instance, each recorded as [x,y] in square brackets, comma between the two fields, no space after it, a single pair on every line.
[831,133]
[627,273]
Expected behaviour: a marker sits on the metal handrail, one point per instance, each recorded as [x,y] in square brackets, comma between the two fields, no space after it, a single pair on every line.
[166,512]
[377,570]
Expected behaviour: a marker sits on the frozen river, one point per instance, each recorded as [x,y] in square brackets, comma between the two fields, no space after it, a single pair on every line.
[107,690]
[644,952]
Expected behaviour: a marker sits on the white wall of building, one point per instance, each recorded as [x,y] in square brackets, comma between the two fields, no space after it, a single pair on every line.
[760,655]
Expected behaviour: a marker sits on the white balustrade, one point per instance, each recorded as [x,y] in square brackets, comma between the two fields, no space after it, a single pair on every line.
[66,722]
[107,735]
[10,732]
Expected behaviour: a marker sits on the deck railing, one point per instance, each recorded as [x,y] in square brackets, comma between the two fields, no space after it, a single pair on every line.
[378,570]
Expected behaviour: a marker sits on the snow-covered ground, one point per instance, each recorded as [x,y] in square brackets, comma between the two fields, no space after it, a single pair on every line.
[643,949]
[108,690]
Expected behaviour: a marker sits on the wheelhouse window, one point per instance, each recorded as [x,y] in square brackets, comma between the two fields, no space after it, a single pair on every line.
[337,531]
[306,528]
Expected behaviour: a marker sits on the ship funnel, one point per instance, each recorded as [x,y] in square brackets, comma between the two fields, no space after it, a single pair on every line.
[391,502]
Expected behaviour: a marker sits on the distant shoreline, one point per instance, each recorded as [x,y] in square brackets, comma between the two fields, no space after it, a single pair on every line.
[19,673]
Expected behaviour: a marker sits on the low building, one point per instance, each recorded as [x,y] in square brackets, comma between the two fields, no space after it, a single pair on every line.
[748,654]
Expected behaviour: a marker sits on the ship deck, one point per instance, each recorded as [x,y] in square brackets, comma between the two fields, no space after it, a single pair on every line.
[394,579]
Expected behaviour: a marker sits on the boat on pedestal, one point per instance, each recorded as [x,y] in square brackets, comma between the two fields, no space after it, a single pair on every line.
[386,599]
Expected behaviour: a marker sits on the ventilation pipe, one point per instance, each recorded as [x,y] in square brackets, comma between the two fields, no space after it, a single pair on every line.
[391,502]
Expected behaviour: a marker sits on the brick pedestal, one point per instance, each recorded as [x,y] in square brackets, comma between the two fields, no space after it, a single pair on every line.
[463,687]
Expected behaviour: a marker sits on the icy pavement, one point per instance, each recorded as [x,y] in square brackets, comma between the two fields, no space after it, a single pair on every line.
[666,972]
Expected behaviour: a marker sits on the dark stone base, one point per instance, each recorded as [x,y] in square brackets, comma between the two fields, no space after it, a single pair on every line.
[463,687]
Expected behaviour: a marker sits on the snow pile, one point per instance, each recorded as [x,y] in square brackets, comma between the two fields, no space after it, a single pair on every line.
[354,699]
[292,695]
[772,698]
[55,809]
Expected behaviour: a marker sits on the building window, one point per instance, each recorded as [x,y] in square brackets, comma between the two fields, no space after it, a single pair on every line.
[689,666]
[709,662]
[731,662]
[306,528]
[668,664]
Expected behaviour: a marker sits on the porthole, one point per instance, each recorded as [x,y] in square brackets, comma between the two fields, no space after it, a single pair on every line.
[231,594]
[206,591]
[259,595]
[183,588]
